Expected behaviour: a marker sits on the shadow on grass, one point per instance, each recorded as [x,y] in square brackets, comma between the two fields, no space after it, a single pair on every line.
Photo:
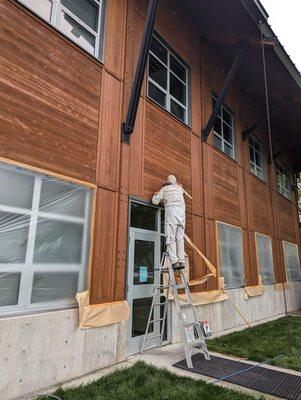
[144,382]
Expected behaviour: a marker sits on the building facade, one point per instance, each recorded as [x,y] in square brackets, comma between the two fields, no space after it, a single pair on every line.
[75,210]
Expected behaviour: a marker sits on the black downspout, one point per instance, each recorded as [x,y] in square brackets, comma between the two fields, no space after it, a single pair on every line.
[127,127]
[230,78]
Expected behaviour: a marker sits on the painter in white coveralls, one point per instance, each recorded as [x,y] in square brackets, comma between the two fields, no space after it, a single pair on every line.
[171,195]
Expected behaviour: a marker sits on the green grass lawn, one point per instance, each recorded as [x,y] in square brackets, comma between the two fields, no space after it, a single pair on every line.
[144,382]
[263,342]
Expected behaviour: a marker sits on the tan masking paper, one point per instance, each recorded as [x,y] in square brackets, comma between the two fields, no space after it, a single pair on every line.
[96,315]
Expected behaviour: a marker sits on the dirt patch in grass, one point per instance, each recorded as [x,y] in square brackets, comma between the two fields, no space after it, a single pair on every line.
[263,342]
[144,382]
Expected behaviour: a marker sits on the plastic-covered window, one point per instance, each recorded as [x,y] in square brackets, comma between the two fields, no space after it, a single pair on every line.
[231,255]
[265,259]
[292,261]
[44,240]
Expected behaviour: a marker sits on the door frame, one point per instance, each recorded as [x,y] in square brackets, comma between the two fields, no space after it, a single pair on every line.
[157,236]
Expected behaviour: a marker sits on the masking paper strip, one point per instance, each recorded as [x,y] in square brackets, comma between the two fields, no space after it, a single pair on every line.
[97,315]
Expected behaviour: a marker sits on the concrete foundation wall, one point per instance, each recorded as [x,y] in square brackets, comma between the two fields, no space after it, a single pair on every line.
[223,318]
[43,350]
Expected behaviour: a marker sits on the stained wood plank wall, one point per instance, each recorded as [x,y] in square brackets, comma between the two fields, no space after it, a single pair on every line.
[69,111]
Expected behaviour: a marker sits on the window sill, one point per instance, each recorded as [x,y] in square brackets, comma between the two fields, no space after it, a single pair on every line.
[262,180]
[161,108]
[283,196]
[233,160]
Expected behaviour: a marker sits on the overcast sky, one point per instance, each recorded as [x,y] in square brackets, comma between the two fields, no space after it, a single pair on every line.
[285,20]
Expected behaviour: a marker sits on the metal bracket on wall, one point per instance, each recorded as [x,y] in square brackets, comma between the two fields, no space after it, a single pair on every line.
[127,127]
[245,134]
[230,78]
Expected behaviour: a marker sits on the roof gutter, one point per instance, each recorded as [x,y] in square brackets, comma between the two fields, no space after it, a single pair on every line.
[260,17]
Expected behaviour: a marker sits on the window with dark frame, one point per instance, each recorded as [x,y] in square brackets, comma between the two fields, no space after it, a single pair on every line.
[283,181]
[223,130]
[256,158]
[168,80]
[79,20]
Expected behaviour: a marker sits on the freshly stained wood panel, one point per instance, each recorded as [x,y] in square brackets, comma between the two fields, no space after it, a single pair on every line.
[196,175]
[50,97]
[225,190]
[108,156]
[115,23]
[166,151]
[136,167]
[103,265]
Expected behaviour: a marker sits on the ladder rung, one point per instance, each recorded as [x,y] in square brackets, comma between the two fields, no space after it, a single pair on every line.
[156,320]
[191,323]
[160,304]
[163,286]
[186,305]
[178,287]
[154,337]
[196,342]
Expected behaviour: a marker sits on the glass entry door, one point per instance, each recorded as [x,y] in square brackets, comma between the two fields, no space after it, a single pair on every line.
[144,257]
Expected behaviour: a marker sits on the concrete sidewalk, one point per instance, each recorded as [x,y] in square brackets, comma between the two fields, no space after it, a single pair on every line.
[163,357]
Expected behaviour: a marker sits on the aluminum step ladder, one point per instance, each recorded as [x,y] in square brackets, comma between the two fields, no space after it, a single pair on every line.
[191,330]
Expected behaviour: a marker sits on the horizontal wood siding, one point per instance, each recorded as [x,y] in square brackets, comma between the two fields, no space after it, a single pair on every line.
[50,97]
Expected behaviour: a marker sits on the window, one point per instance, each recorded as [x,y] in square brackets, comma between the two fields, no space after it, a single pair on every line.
[223,130]
[292,261]
[44,240]
[283,183]
[168,80]
[231,255]
[265,259]
[256,161]
[80,20]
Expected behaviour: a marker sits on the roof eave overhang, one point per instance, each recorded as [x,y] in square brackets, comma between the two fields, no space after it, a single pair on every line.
[260,16]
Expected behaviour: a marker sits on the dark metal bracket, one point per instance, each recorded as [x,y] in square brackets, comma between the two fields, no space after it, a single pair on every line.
[245,134]
[127,127]
[230,78]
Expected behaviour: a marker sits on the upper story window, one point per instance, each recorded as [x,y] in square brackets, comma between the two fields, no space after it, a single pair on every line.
[256,159]
[283,181]
[80,20]
[168,80]
[223,130]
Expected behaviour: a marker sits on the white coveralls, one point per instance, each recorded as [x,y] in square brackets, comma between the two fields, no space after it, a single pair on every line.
[172,196]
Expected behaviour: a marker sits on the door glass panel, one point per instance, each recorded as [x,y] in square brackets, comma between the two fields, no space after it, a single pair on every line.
[141,309]
[143,217]
[144,262]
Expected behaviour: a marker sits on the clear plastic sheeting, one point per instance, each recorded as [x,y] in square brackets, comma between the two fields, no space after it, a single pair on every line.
[44,240]
[231,255]
[265,259]
[292,261]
